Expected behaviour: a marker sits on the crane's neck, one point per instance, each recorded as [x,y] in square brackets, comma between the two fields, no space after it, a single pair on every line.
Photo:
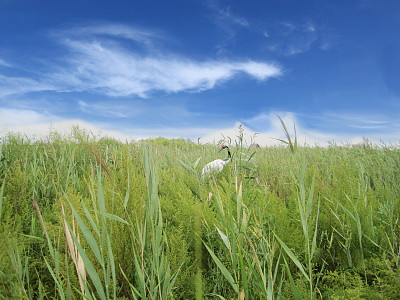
[229,157]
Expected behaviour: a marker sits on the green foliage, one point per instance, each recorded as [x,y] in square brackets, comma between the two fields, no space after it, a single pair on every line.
[276,223]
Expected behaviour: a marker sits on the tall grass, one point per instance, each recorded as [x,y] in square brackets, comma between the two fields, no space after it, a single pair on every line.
[150,248]
[292,144]
[87,217]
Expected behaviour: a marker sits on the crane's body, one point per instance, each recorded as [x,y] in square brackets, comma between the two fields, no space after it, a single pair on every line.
[217,165]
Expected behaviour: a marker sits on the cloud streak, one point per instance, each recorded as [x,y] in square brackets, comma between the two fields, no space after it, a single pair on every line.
[367,122]
[224,16]
[112,30]
[109,110]
[100,60]
[22,85]
[291,39]
[116,71]
[226,21]
[4,63]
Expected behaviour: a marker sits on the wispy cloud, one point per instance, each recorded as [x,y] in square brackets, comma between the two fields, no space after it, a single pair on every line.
[116,71]
[109,109]
[224,16]
[22,85]
[4,63]
[144,40]
[292,38]
[368,121]
[113,30]
[228,22]
[113,67]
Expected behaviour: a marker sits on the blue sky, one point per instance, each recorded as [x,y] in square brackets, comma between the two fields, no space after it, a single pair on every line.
[138,69]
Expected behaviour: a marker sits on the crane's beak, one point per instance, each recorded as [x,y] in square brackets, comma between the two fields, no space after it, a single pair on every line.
[223,147]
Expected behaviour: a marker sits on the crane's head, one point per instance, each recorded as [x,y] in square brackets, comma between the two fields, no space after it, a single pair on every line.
[223,147]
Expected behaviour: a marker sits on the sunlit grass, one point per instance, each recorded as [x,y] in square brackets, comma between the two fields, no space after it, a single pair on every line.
[87,217]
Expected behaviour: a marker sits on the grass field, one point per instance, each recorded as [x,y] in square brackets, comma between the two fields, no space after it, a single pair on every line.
[87,216]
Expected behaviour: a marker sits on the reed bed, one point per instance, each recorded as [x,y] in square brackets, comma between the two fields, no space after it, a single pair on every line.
[88,217]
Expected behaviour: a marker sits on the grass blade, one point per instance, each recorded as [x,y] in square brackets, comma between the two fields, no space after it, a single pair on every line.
[243,272]
[127,192]
[116,218]
[196,163]
[314,242]
[59,286]
[88,235]
[223,269]
[1,198]
[292,257]
[76,258]
[89,266]
[112,266]
[293,286]
[89,217]
[224,239]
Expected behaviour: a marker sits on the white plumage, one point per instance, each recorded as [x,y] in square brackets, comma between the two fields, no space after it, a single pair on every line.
[217,165]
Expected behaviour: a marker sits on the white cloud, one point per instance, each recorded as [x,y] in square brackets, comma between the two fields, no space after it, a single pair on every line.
[21,85]
[4,63]
[16,117]
[269,137]
[369,124]
[113,109]
[226,21]
[37,125]
[260,71]
[224,16]
[293,38]
[310,27]
[114,30]
[359,120]
[113,67]
[287,28]
[118,72]
[339,128]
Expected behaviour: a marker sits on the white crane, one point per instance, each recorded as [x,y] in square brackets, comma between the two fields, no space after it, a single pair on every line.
[216,165]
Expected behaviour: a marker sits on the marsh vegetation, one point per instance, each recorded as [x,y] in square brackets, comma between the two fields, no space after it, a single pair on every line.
[87,216]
